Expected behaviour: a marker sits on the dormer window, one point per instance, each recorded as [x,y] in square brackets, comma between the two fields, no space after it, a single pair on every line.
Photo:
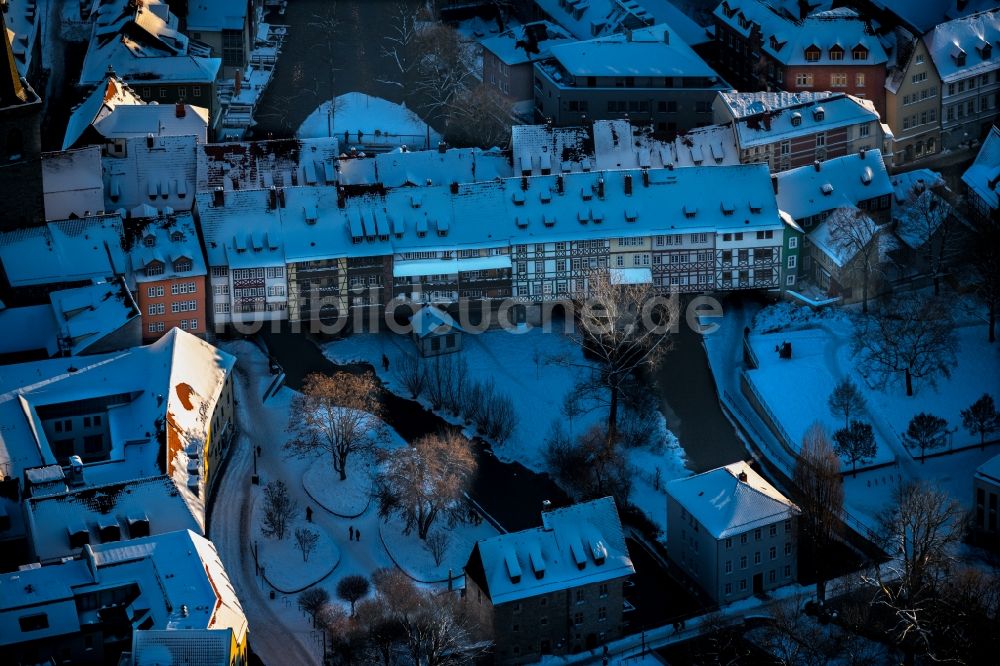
[819,114]
[812,54]
[149,240]
[859,53]
[796,119]
[176,237]
[836,52]
[959,55]
[985,50]
[155,268]
[182,265]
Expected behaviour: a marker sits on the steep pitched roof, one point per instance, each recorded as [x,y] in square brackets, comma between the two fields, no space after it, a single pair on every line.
[726,504]
[12,90]
[100,103]
[577,545]
[983,176]
[843,181]
[965,46]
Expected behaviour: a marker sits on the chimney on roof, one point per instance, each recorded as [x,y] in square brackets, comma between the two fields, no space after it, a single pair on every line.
[179,110]
[524,183]
[272,198]
[559,184]
[341,197]
[816,165]
[149,140]
[742,476]
[666,36]
[454,187]
[600,188]
[546,505]
[442,147]
[774,182]
[628,184]
[861,153]
[219,197]
[645,177]
[281,197]
[628,35]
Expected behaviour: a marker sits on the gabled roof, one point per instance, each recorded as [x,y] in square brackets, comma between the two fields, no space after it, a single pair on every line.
[525,43]
[72,183]
[251,165]
[786,39]
[990,470]
[431,320]
[841,253]
[780,117]
[983,176]
[400,168]
[582,544]
[843,181]
[922,16]
[87,315]
[593,18]
[726,505]
[158,172]
[156,119]
[104,99]
[163,231]
[965,46]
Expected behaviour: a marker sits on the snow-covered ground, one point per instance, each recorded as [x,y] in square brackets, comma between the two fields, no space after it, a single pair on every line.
[538,393]
[381,122]
[414,557]
[349,497]
[282,560]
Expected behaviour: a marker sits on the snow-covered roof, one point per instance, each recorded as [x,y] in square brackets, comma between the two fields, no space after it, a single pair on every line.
[159,172]
[104,99]
[191,647]
[526,43]
[181,580]
[252,165]
[781,116]
[582,544]
[786,39]
[924,15]
[726,505]
[839,250]
[431,320]
[84,249]
[990,470]
[983,176]
[966,46]
[31,328]
[140,42]
[400,168]
[618,144]
[919,218]
[87,315]
[311,225]
[164,240]
[140,507]
[665,11]
[592,18]
[653,51]
[24,19]
[216,15]
[908,184]
[157,119]
[72,184]
[739,105]
[173,384]
[843,181]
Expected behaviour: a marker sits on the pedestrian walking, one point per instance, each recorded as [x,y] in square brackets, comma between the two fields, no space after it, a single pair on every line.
[258,450]
[309,514]
[350,532]
[357,535]
[385,363]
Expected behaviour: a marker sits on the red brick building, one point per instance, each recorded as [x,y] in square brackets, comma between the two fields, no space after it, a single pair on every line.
[170,276]
[763,47]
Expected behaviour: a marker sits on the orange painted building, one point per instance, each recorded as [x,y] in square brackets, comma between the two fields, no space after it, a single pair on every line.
[170,276]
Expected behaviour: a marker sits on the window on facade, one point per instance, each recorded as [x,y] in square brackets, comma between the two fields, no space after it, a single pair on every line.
[812,54]
[838,80]
[232,48]
[804,80]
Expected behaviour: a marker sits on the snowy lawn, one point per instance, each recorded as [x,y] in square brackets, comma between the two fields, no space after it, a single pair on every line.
[538,391]
[353,112]
[347,498]
[796,389]
[282,560]
[414,557]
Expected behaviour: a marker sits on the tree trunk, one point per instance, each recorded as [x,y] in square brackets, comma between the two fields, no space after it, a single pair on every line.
[909,383]
[340,463]
[864,292]
[613,417]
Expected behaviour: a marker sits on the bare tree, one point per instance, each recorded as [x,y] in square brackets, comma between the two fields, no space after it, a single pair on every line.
[400,41]
[626,327]
[411,374]
[437,545]
[854,234]
[589,468]
[306,540]
[439,631]
[918,531]
[855,442]
[817,475]
[479,116]
[983,256]
[279,509]
[441,73]
[925,431]
[312,602]
[846,399]
[353,588]
[927,220]
[426,480]
[910,335]
[336,414]
[981,418]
